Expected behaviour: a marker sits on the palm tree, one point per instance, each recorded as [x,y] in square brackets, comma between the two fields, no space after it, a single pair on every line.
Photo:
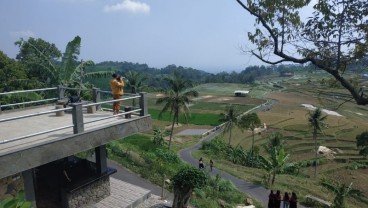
[275,164]
[317,122]
[176,99]
[341,192]
[135,81]
[230,118]
[250,121]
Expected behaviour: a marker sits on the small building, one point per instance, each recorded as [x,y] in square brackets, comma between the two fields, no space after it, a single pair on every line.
[241,93]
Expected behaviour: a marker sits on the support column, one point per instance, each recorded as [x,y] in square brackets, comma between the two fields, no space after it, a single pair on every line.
[77,114]
[61,92]
[101,159]
[96,97]
[143,104]
[29,188]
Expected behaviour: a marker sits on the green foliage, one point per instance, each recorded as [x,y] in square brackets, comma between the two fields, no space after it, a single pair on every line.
[194,118]
[341,192]
[16,202]
[362,143]
[167,156]
[189,176]
[158,136]
[217,190]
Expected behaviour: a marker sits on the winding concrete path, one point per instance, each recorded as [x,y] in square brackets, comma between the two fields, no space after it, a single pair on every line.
[256,191]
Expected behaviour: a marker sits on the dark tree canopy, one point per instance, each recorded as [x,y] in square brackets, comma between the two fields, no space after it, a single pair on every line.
[333,37]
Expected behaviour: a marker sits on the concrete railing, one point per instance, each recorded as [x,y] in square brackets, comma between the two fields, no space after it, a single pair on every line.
[76,109]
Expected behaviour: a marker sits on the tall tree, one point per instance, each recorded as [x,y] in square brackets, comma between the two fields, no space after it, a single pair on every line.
[250,121]
[12,74]
[317,122]
[40,58]
[45,56]
[362,143]
[334,35]
[230,118]
[184,182]
[176,99]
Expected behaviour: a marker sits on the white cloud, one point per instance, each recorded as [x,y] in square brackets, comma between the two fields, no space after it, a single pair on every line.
[129,6]
[22,34]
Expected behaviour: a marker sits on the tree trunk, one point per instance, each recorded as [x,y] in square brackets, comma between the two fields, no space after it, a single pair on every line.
[172,131]
[315,148]
[163,187]
[252,146]
[273,177]
[181,197]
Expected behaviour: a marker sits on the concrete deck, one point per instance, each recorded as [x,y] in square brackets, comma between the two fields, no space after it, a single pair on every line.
[20,155]
[21,127]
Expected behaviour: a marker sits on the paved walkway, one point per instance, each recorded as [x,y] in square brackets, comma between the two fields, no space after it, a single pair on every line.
[256,191]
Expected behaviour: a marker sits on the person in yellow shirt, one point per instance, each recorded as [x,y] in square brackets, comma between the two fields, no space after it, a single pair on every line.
[117,85]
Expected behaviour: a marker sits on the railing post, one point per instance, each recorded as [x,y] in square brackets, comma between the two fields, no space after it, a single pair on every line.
[77,114]
[143,104]
[96,96]
[61,91]
[0,108]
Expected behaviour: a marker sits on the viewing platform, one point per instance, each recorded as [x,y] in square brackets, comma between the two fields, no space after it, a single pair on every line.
[39,143]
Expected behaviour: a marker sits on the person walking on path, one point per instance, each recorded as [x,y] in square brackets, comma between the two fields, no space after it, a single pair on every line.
[286,200]
[201,165]
[293,200]
[211,165]
[277,199]
[271,199]
[117,85]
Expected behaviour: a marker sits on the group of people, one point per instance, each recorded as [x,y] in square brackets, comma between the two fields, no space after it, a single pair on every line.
[201,164]
[117,85]
[274,200]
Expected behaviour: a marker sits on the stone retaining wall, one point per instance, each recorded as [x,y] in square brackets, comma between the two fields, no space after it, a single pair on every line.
[89,194]
[10,186]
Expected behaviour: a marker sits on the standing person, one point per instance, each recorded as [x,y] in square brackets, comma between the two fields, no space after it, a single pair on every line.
[116,84]
[211,165]
[271,199]
[201,165]
[286,200]
[277,199]
[293,200]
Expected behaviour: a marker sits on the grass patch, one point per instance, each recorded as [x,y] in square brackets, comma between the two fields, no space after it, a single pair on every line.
[193,118]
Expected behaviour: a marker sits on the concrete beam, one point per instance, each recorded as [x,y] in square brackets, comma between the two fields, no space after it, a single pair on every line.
[34,156]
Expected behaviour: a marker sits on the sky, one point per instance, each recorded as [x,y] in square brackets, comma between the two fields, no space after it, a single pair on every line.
[203,34]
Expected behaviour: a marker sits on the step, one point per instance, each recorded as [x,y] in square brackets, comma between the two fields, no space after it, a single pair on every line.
[123,195]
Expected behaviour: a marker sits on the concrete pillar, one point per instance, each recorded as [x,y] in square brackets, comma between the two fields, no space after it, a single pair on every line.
[61,91]
[143,104]
[77,114]
[96,96]
[29,187]
[101,159]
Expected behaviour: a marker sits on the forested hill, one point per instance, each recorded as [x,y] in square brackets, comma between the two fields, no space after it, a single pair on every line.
[248,75]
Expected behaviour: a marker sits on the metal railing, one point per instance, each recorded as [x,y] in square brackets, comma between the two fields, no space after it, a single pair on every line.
[77,111]
[29,102]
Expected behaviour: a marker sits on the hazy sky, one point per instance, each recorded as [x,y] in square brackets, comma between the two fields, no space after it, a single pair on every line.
[203,34]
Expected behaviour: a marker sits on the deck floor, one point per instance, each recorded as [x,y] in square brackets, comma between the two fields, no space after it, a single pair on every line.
[27,126]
